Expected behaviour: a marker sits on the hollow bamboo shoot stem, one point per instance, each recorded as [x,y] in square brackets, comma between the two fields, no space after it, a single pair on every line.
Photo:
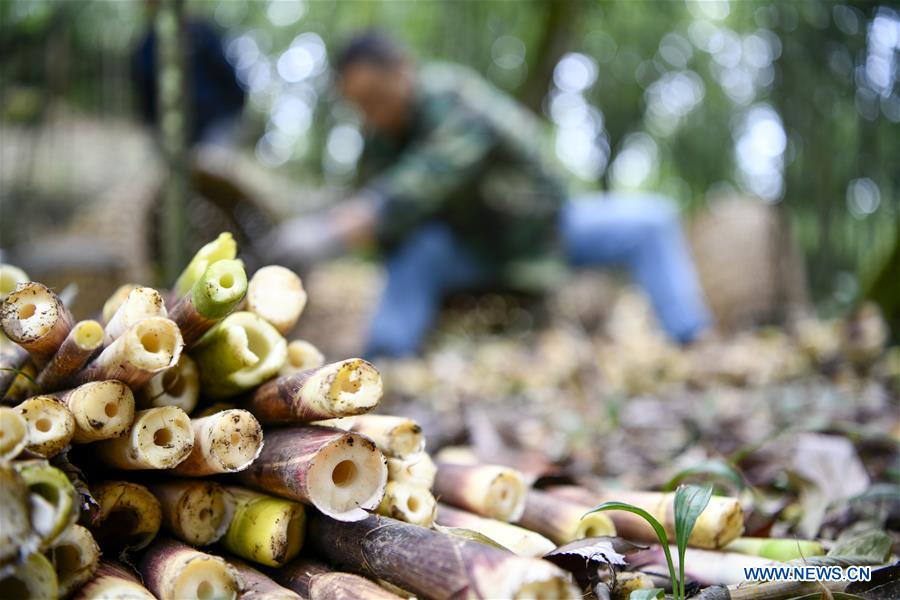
[10,277]
[13,433]
[417,470]
[225,442]
[114,581]
[397,437]
[340,473]
[53,501]
[36,319]
[265,529]
[75,557]
[211,299]
[32,579]
[50,424]
[563,520]
[195,511]
[222,248]
[340,389]
[276,294]
[177,386]
[129,516]
[141,303]
[78,347]
[301,356]
[487,490]
[113,303]
[160,438]
[408,504]
[102,410]
[175,571]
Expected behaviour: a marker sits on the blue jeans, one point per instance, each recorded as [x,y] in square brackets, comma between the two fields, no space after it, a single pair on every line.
[640,232]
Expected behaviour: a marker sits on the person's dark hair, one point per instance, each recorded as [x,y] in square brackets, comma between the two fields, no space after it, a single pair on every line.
[369,46]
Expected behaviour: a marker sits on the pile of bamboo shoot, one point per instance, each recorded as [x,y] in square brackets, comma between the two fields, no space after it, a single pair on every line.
[179,446]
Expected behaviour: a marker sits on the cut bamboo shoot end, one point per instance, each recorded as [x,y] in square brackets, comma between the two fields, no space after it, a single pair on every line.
[114,582]
[197,512]
[487,490]
[115,301]
[277,295]
[225,442]
[238,354]
[203,578]
[153,344]
[301,356]
[222,248]
[87,334]
[406,503]
[141,303]
[174,571]
[30,312]
[160,438]
[129,515]
[50,425]
[10,277]
[223,286]
[31,579]
[13,433]
[346,475]
[102,410]
[75,557]
[52,499]
[594,525]
[265,529]
[417,470]
[398,437]
[177,386]
[540,581]
[348,387]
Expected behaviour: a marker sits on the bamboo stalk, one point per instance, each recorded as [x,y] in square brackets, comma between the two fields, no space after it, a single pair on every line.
[174,571]
[721,521]
[159,438]
[417,470]
[408,504]
[397,437]
[113,303]
[50,424]
[487,490]
[258,586]
[315,581]
[195,511]
[344,388]
[141,303]
[265,529]
[128,516]
[53,501]
[10,277]
[457,455]
[301,356]
[75,557]
[78,347]
[34,578]
[340,473]
[563,520]
[211,299]
[225,442]
[238,354]
[102,410]
[13,359]
[523,542]
[16,536]
[776,549]
[113,581]
[36,319]
[13,433]
[148,347]
[276,294]
[434,565]
[222,248]
[176,386]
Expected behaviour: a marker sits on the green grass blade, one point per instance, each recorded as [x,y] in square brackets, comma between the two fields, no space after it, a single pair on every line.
[711,469]
[690,500]
[656,525]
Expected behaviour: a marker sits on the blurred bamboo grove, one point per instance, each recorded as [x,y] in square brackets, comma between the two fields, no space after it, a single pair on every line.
[794,102]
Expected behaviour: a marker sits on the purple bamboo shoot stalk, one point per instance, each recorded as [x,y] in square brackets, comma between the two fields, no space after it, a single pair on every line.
[113,580]
[345,388]
[225,442]
[76,350]
[260,587]
[175,571]
[315,581]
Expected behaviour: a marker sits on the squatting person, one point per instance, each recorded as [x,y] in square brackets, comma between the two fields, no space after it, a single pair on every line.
[454,191]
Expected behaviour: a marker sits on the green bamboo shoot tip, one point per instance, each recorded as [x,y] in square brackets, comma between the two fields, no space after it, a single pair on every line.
[220,289]
[265,529]
[238,354]
[781,549]
[222,248]
[53,499]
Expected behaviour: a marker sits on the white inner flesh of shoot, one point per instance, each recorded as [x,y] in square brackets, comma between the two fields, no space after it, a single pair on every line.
[109,404]
[178,386]
[405,439]
[205,579]
[302,355]
[347,474]
[88,335]
[417,505]
[594,525]
[153,344]
[164,436]
[505,499]
[346,388]
[277,295]
[236,440]
[36,312]
[204,514]
[70,561]
[46,422]
[261,352]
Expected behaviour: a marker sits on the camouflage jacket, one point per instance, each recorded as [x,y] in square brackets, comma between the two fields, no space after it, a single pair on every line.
[470,159]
